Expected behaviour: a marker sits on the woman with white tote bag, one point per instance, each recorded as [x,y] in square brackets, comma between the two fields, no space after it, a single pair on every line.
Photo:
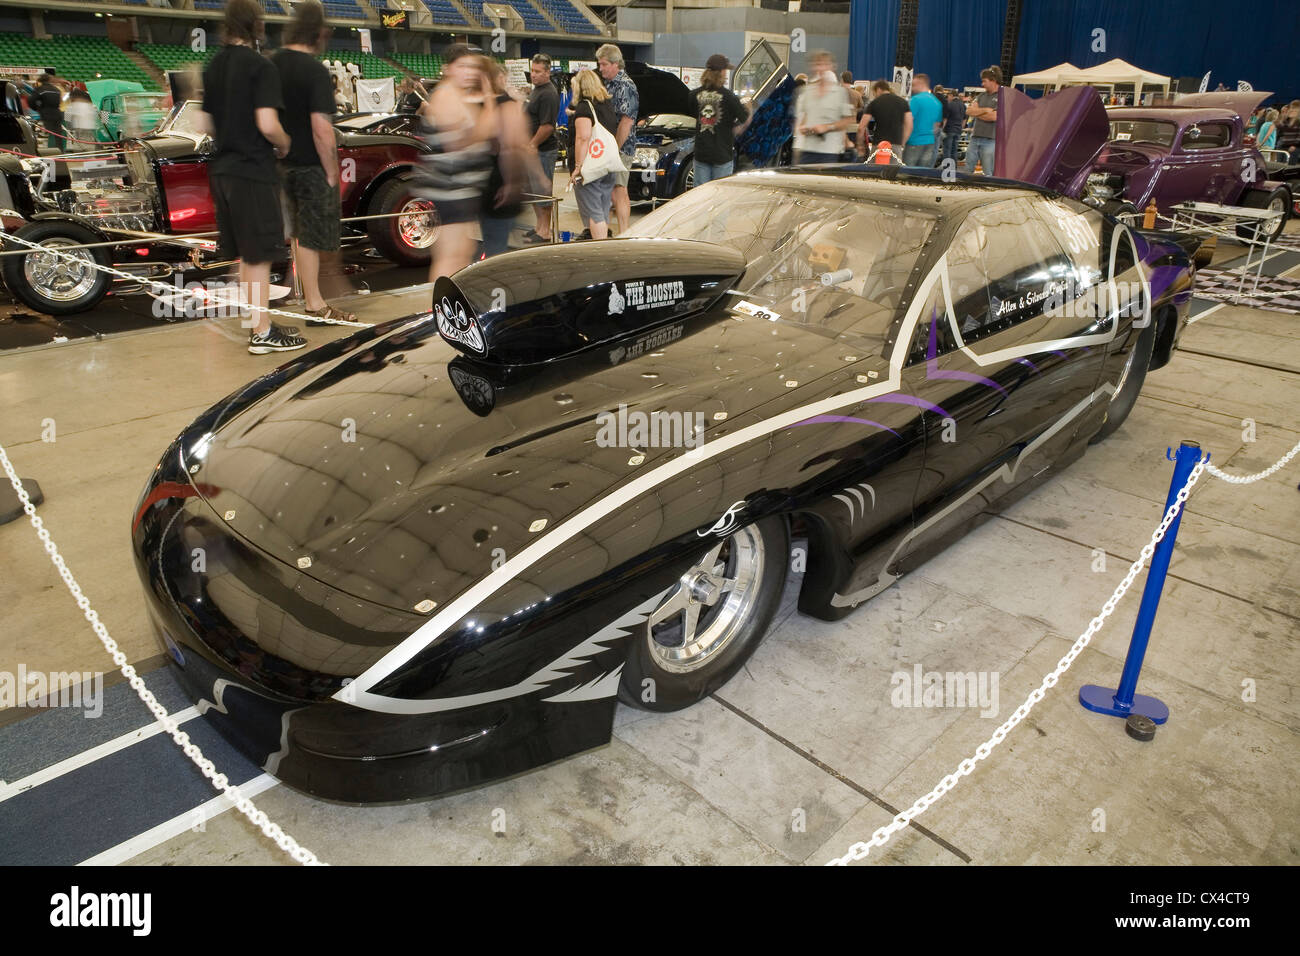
[595,152]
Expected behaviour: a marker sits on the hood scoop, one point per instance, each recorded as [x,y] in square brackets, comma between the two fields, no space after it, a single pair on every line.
[541,304]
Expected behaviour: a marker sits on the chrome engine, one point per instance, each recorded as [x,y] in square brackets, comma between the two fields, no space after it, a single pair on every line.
[114,195]
[111,204]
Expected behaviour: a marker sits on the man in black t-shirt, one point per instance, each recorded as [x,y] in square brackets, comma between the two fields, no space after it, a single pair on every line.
[408,99]
[47,99]
[719,118]
[542,110]
[309,175]
[241,99]
[893,120]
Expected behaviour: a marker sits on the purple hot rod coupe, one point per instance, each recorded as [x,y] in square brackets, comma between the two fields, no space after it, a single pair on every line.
[1194,151]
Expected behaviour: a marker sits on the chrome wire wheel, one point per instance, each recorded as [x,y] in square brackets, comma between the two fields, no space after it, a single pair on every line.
[418,231]
[1277,206]
[709,605]
[58,277]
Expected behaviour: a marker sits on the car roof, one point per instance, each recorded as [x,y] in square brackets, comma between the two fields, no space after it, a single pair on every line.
[919,189]
[1179,115]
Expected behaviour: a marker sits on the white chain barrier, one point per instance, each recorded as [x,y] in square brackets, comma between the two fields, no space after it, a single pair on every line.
[859,851]
[245,806]
[171,291]
[1259,475]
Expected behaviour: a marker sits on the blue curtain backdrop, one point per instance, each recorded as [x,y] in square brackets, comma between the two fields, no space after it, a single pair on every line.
[1258,41]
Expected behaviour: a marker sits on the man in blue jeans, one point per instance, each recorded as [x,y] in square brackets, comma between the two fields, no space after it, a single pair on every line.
[954,118]
[542,111]
[718,116]
[927,114]
[985,113]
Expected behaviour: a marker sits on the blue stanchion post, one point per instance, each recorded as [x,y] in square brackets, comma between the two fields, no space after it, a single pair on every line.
[1123,701]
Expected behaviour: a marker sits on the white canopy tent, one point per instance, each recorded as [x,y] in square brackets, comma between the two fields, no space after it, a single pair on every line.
[1110,74]
[1048,77]
[1116,72]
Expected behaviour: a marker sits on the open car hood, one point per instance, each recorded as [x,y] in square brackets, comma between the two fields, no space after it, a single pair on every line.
[659,92]
[1242,103]
[1051,141]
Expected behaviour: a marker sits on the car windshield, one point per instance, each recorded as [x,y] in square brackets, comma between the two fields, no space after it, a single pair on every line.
[1142,131]
[670,121]
[826,261]
[185,120]
[148,101]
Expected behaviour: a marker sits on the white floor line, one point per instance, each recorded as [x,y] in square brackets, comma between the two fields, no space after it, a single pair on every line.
[129,849]
[76,761]
[1213,309]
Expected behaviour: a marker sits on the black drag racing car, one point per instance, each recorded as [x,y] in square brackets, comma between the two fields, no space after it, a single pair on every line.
[436,552]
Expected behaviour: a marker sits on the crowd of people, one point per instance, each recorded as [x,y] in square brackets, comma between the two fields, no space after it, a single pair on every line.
[493,148]
[834,121]
[1277,129]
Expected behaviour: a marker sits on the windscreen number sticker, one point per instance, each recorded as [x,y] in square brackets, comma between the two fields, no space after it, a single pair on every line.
[757,311]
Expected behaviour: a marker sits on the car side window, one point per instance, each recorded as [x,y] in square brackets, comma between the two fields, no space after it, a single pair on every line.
[932,336]
[1020,268]
[1206,136]
[1085,235]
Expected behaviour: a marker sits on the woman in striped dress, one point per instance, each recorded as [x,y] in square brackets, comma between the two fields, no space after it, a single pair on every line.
[460,124]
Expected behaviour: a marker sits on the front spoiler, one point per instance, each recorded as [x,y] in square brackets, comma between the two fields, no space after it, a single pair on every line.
[258,648]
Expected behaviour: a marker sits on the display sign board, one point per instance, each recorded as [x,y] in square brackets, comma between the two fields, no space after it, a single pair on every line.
[366,45]
[691,76]
[576,65]
[903,81]
[376,96]
[395,19]
[517,72]
[33,72]
[674,70]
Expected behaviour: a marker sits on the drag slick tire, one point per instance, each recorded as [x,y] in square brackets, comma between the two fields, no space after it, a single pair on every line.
[53,284]
[407,241]
[710,621]
[1130,382]
[1277,199]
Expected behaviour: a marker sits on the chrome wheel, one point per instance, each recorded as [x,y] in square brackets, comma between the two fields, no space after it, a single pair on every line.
[1277,206]
[418,231]
[690,176]
[709,604]
[60,278]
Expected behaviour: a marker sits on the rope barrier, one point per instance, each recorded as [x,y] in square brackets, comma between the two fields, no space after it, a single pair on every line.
[242,803]
[171,290]
[881,836]
[64,136]
[61,157]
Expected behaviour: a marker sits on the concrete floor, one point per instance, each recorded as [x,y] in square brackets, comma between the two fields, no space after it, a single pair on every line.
[826,758]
